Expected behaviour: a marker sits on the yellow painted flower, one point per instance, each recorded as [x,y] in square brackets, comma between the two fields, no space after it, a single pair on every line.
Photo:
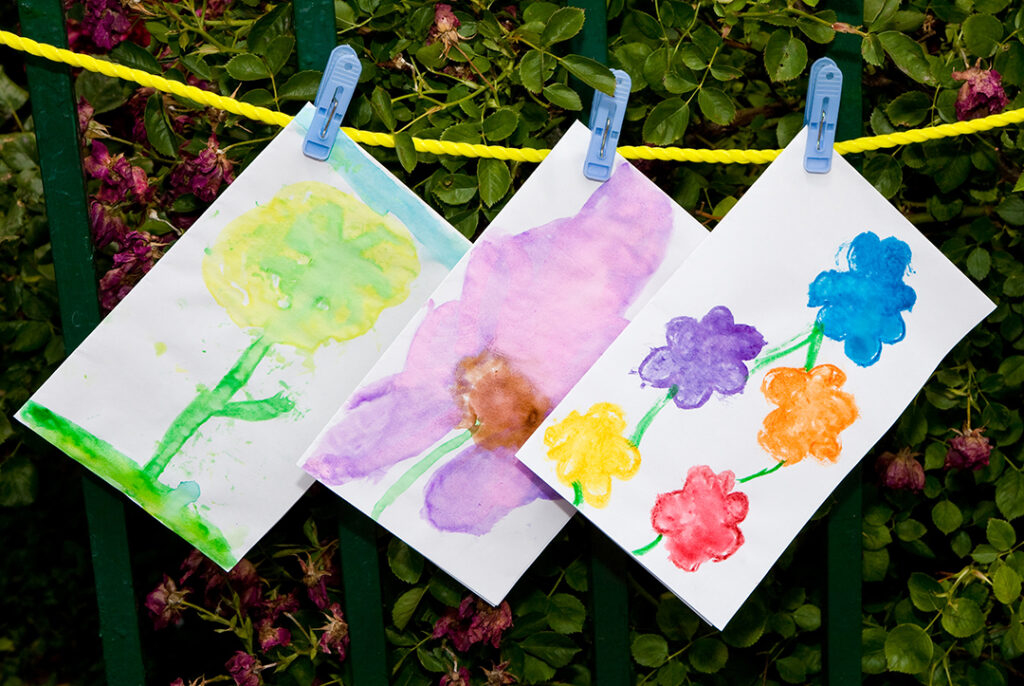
[590,449]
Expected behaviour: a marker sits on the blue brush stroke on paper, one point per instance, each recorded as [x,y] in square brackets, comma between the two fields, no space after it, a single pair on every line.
[377,188]
[863,306]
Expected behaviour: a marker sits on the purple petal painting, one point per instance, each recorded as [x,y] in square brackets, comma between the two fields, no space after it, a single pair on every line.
[427,444]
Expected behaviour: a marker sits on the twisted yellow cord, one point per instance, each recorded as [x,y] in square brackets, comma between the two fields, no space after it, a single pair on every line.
[436,147]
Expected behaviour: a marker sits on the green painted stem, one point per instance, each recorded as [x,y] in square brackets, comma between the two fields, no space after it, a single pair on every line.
[642,427]
[814,345]
[577,494]
[781,351]
[764,472]
[650,546]
[416,471]
[206,405]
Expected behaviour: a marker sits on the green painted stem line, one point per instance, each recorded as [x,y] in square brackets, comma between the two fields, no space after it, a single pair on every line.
[416,471]
[650,546]
[205,405]
[814,345]
[577,494]
[781,351]
[764,472]
[645,422]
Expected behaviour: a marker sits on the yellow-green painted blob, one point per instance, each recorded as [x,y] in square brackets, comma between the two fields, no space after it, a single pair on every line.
[159,348]
[311,265]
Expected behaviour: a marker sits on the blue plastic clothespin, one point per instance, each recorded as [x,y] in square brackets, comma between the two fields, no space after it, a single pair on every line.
[606,114]
[336,88]
[821,114]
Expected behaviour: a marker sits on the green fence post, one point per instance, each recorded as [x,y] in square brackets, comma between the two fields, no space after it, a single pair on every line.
[843,598]
[56,125]
[357,534]
[609,598]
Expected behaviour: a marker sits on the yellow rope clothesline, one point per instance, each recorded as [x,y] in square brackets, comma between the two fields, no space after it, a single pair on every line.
[268,116]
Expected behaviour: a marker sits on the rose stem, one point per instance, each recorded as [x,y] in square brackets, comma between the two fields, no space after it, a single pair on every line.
[417,470]
[763,472]
[649,546]
[649,417]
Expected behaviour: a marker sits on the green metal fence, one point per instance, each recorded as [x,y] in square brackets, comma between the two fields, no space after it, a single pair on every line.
[56,129]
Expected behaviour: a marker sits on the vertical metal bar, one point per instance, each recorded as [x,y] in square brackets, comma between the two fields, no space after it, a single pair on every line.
[609,598]
[357,534]
[56,124]
[843,597]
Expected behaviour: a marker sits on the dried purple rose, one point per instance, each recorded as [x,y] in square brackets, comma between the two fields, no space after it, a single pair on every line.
[271,636]
[981,95]
[968,450]
[334,639]
[244,669]
[203,174]
[445,28]
[165,603]
[118,175]
[900,471]
[457,676]
[702,357]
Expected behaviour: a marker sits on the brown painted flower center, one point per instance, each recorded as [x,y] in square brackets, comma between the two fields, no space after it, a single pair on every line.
[498,400]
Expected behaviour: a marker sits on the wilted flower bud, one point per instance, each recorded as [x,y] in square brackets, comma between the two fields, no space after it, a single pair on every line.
[900,471]
[969,450]
[981,95]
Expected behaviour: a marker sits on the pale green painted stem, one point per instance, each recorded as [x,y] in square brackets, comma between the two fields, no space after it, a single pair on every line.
[650,546]
[645,422]
[416,471]
[205,405]
[763,472]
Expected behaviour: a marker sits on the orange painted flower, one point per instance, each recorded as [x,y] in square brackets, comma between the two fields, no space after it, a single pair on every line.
[812,412]
[590,449]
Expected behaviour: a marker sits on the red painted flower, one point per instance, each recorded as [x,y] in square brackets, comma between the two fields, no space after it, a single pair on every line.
[969,450]
[700,521]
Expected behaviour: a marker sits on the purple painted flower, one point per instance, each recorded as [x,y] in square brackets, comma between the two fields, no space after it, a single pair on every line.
[496,360]
[702,357]
[165,603]
[968,450]
[244,669]
[981,95]
[203,174]
[474,622]
[900,471]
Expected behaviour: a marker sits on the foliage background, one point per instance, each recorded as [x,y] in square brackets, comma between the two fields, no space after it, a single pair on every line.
[942,565]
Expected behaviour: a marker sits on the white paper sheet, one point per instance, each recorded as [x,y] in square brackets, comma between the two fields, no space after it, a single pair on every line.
[425,446]
[797,249]
[198,393]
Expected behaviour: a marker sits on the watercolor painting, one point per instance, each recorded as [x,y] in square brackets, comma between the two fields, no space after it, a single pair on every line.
[427,445]
[715,425]
[230,354]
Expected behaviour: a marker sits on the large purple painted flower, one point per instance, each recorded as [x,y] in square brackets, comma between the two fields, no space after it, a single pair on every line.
[537,309]
[702,357]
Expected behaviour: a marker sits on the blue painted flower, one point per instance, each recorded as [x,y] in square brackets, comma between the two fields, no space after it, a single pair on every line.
[702,357]
[863,306]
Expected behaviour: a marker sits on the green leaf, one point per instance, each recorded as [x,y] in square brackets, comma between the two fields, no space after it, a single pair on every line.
[30,336]
[555,649]
[747,626]
[1014,285]
[501,124]
[567,614]
[925,592]
[872,659]
[12,96]
[455,189]
[875,564]
[380,102]
[1010,494]
[536,671]
[102,92]
[716,105]
[667,122]
[910,530]
[494,179]
[807,617]
[676,620]
[871,51]
[276,22]
[884,173]
[908,109]
[131,55]
[562,96]
[649,650]
[672,674]
[792,669]
[978,263]
[158,131]
[947,517]
[784,56]
[1012,370]
[590,72]
[531,71]
[962,617]
[19,482]
[246,67]
[908,56]
[982,33]
[1006,585]
[562,25]
[301,85]
[708,655]
[1011,209]
[1000,534]
[406,605]
[908,649]
[406,150]
[405,563]
[278,52]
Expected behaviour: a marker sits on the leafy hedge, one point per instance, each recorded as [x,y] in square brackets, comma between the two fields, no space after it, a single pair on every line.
[944,494]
